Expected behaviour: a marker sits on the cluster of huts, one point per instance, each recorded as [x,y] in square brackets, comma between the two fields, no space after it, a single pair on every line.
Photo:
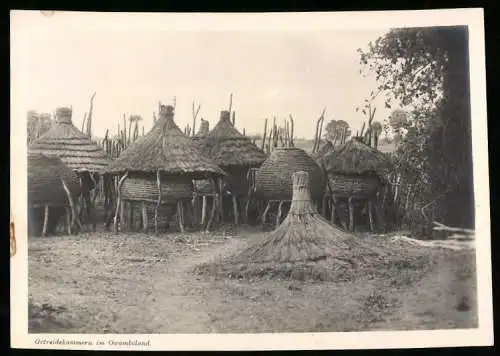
[166,179]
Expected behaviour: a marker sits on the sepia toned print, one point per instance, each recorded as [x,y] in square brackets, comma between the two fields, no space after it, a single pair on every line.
[220,182]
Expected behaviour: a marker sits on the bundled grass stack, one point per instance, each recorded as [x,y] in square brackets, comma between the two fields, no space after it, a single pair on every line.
[52,191]
[77,152]
[273,180]
[306,247]
[236,154]
[324,150]
[355,171]
[158,169]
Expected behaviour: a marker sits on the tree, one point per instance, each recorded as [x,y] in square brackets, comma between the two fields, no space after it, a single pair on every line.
[398,120]
[337,131]
[426,71]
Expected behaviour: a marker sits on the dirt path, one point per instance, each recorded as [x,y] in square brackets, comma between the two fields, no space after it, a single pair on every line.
[118,285]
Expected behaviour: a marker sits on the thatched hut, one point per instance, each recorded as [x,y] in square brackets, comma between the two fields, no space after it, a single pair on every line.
[77,152]
[355,172]
[158,170]
[52,190]
[235,153]
[273,180]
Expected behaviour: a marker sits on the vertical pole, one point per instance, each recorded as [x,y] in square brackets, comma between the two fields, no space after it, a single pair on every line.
[144,217]
[278,215]
[235,210]
[68,220]
[203,210]
[351,214]
[370,214]
[45,219]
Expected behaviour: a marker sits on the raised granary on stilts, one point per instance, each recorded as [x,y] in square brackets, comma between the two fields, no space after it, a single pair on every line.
[356,173]
[236,154]
[273,180]
[52,192]
[307,247]
[79,153]
[156,173]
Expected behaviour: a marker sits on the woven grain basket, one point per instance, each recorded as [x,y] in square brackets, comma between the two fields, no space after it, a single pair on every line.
[144,189]
[273,180]
[44,181]
[343,185]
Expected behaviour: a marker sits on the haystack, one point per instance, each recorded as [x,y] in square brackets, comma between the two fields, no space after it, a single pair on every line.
[325,149]
[305,246]
[76,151]
[51,187]
[160,166]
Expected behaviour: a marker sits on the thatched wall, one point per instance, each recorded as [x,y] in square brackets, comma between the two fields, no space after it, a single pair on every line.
[145,188]
[273,180]
[353,185]
[44,181]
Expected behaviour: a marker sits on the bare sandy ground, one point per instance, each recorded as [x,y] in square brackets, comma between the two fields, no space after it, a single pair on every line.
[133,283]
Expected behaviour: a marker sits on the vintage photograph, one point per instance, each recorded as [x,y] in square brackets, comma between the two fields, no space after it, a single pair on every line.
[218,181]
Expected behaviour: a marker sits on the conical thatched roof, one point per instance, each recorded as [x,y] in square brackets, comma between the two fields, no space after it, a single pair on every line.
[75,149]
[226,146]
[167,149]
[354,157]
[324,149]
[273,179]
[44,181]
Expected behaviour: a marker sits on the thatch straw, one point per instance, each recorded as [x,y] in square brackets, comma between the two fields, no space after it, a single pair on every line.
[167,149]
[226,146]
[324,149]
[355,158]
[305,246]
[75,149]
[273,180]
[44,181]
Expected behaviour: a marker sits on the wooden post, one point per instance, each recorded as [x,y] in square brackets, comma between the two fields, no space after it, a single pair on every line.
[264,214]
[278,215]
[45,219]
[180,215]
[68,220]
[71,203]
[144,217]
[118,201]
[203,210]
[158,203]
[370,214]
[351,214]
[212,214]
[221,200]
[235,210]
[247,206]
[130,216]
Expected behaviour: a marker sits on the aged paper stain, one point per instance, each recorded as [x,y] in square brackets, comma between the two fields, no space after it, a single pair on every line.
[12,239]
[48,13]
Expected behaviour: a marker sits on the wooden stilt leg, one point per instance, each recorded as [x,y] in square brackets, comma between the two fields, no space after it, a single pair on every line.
[370,214]
[212,214]
[278,215]
[180,209]
[351,214]
[158,203]
[68,220]
[45,220]
[247,206]
[235,210]
[221,200]
[203,210]
[130,216]
[122,214]
[144,218]
[73,214]
[264,214]
[332,210]
[323,207]
[118,201]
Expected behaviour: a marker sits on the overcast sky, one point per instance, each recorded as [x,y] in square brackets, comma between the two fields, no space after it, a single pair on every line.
[270,73]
